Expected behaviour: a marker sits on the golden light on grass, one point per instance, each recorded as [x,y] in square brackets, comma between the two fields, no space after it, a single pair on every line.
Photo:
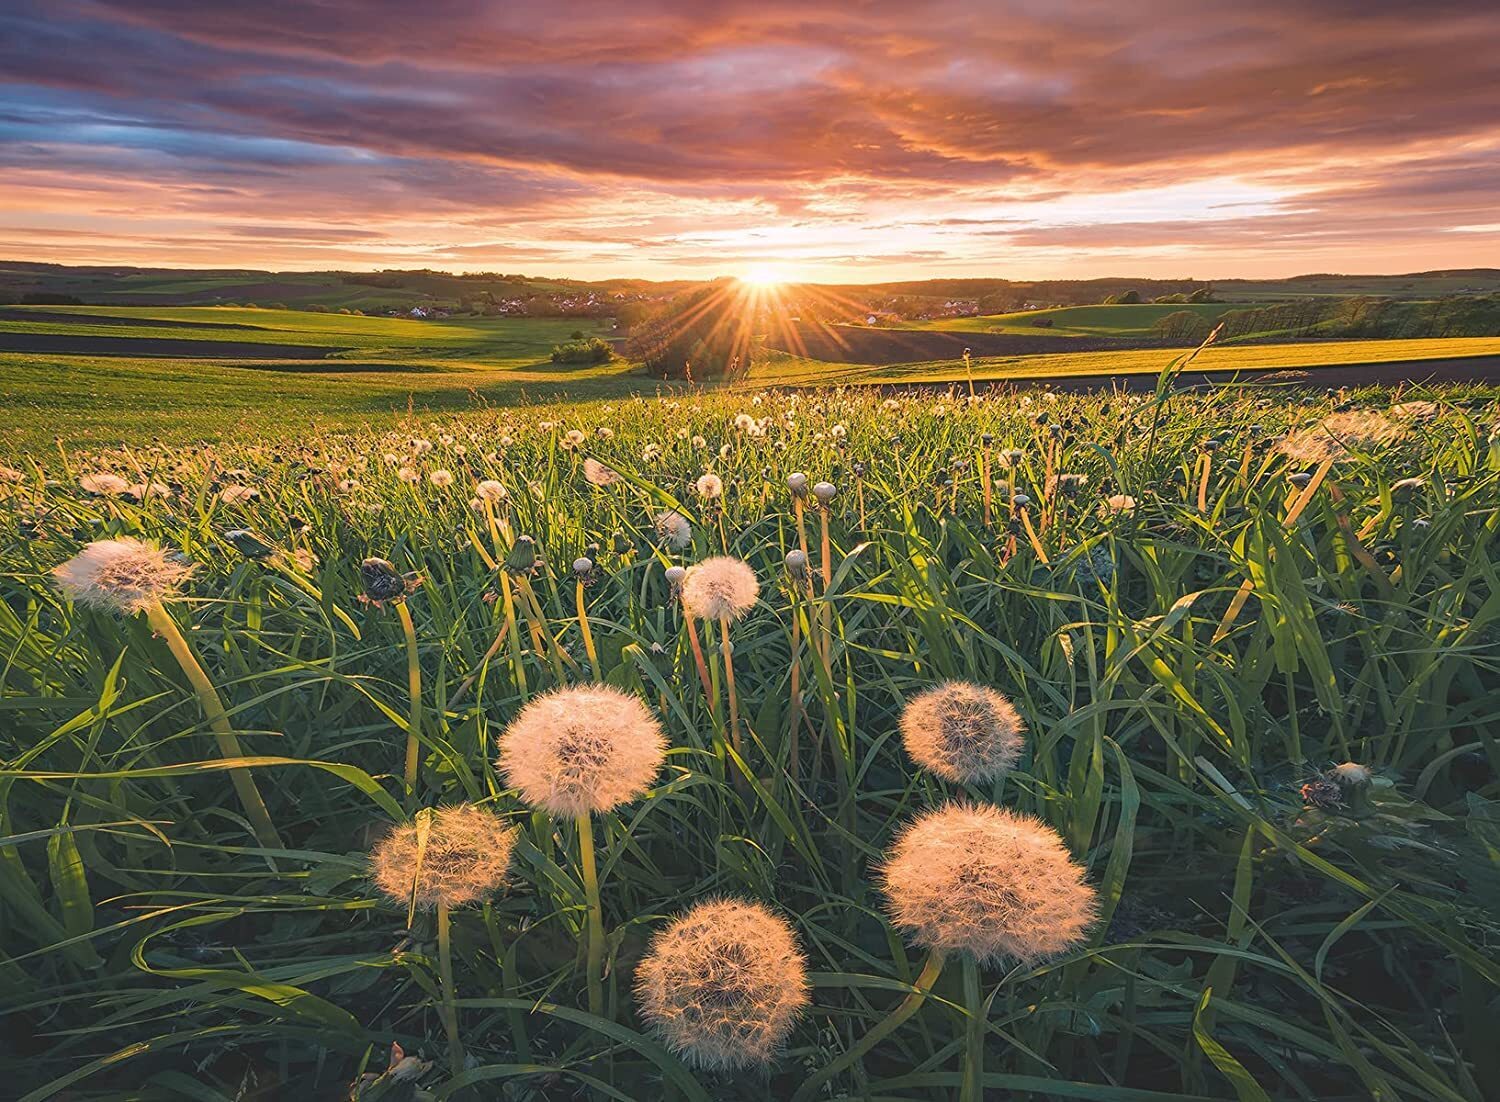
[724,984]
[963,732]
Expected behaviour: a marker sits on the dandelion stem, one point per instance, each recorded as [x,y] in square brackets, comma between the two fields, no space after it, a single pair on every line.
[973,1078]
[727,651]
[909,1006]
[218,719]
[450,1007]
[588,636]
[595,930]
[414,689]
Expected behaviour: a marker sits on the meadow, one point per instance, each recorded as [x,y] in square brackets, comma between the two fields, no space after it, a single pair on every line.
[126,375]
[1249,638]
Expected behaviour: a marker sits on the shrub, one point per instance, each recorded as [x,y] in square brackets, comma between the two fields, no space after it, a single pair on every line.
[591,351]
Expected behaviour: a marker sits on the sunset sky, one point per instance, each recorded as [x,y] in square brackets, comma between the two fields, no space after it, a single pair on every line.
[829,141]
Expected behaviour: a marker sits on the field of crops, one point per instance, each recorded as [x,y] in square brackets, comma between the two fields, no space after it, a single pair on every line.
[1236,660]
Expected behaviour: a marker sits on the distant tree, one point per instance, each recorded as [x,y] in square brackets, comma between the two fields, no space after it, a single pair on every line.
[1168,300]
[1129,298]
[703,334]
[1182,327]
[576,335]
[1202,294]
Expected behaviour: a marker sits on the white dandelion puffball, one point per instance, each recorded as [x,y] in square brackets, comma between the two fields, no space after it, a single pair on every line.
[120,575]
[963,732]
[720,588]
[581,750]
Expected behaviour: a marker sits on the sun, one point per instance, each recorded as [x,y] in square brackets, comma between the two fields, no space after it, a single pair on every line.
[761,275]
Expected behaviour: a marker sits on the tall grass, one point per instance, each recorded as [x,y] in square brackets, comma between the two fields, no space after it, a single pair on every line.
[1185,669]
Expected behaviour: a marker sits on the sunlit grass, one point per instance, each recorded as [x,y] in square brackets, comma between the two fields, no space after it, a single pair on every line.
[1188,668]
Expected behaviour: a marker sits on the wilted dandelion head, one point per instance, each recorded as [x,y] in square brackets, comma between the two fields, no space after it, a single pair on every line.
[466,854]
[583,749]
[104,484]
[491,491]
[724,984]
[598,474]
[1120,503]
[120,575]
[1351,774]
[673,529]
[1339,435]
[985,881]
[963,732]
[709,486]
[719,587]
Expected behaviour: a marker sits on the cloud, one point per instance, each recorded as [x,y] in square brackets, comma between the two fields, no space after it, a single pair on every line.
[984,134]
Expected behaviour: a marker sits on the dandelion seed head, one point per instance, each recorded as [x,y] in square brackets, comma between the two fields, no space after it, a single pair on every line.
[1339,435]
[440,478]
[709,486]
[104,484]
[673,529]
[467,852]
[598,474]
[988,882]
[580,750]
[490,490]
[1351,774]
[720,587]
[120,575]
[724,984]
[1120,503]
[963,732]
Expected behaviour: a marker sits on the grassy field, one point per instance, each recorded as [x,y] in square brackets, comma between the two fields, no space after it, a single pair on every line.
[1190,667]
[374,371]
[791,370]
[162,381]
[1135,321]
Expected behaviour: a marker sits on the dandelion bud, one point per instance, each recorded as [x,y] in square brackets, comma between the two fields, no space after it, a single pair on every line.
[584,749]
[583,566]
[674,575]
[724,984]
[989,882]
[719,587]
[620,542]
[1021,501]
[824,492]
[797,483]
[463,860]
[522,557]
[1300,479]
[796,562]
[963,732]
[382,581]
[120,575]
